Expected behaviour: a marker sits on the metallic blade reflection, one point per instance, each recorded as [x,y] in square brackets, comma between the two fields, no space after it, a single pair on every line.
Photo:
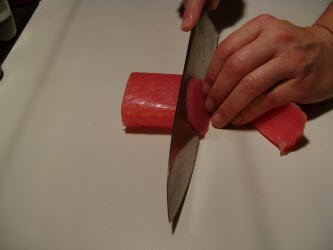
[185,141]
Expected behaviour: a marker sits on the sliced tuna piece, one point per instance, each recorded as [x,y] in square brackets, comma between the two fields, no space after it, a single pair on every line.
[283,126]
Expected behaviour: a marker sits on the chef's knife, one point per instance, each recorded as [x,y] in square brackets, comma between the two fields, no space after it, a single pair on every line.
[185,140]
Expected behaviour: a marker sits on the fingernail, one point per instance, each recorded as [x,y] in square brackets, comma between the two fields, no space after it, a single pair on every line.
[217,120]
[206,87]
[186,22]
[209,105]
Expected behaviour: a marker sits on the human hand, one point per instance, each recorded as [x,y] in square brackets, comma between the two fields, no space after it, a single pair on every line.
[193,10]
[268,63]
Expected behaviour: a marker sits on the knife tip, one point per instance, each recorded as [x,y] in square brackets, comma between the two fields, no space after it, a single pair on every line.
[170,219]
[171,212]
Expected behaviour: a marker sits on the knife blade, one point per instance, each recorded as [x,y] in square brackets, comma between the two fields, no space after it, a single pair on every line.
[185,141]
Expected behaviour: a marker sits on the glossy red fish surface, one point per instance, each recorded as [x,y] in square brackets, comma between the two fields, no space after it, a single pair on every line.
[150,100]
[283,126]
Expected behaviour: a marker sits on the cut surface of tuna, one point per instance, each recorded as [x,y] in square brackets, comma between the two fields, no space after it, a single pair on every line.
[195,103]
[150,100]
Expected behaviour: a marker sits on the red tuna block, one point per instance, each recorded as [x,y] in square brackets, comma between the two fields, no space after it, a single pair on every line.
[283,126]
[150,101]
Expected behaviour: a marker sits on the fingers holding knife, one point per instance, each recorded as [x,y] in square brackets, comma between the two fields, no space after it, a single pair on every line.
[268,63]
[193,9]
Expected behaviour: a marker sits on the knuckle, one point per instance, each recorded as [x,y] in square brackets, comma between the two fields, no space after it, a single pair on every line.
[283,36]
[265,18]
[224,49]
[250,86]
[226,111]
[234,65]
[210,77]
[215,95]
[249,113]
[271,99]
[212,72]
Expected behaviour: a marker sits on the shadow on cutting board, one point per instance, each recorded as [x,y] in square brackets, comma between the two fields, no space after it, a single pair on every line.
[150,131]
[316,110]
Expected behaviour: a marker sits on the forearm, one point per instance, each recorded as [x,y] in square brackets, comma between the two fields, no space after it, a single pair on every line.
[326,19]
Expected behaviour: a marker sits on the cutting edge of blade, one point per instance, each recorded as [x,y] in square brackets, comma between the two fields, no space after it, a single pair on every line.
[174,201]
[172,211]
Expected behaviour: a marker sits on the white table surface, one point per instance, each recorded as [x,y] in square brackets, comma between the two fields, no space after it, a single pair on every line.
[70,178]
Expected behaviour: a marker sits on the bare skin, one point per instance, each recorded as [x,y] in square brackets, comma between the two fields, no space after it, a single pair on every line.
[193,10]
[267,63]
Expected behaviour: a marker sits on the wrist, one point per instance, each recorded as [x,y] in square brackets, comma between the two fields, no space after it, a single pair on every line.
[326,19]
[325,27]
[322,32]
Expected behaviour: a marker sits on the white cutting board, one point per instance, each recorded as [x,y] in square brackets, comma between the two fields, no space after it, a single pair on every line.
[70,178]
